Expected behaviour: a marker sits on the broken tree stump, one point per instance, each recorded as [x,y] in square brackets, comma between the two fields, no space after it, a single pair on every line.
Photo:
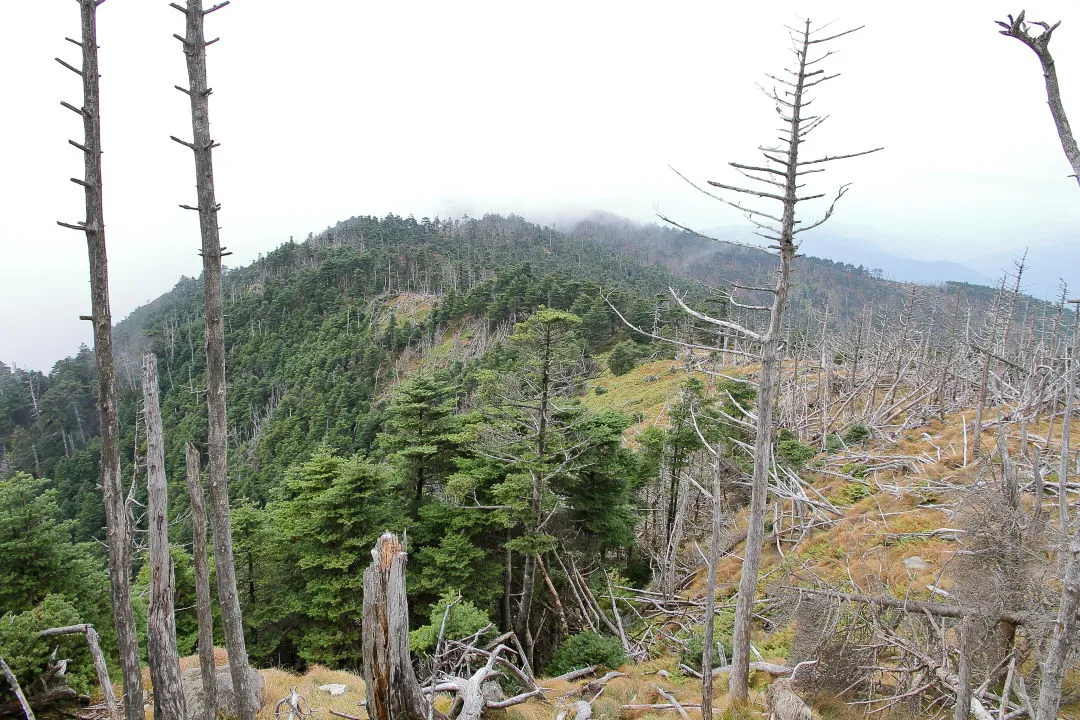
[393,692]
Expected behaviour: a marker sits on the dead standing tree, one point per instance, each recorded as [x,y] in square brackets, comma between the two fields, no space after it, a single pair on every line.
[782,177]
[202,145]
[118,526]
[1053,665]
[161,621]
[203,602]
[392,688]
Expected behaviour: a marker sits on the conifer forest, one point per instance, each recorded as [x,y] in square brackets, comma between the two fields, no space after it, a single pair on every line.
[490,467]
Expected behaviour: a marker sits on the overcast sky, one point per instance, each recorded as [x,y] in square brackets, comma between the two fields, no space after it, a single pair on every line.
[327,109]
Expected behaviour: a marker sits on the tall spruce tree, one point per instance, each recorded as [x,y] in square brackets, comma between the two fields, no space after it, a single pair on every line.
[333,510]
[419,435]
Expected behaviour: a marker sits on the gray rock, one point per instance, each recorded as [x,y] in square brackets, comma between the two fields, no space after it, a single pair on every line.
[915,562]
[192,686]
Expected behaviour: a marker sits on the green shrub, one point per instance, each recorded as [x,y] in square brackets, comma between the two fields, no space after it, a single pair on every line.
[28,655]
[794,453]
[834,443]
[856,434]
[464,620]
[623,358]
[600,389]
[585,649]
[851,493]
[723,623]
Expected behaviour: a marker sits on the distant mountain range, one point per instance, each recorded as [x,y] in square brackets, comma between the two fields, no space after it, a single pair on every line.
[1049,260]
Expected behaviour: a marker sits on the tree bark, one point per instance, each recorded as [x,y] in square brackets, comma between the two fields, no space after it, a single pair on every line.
[117,522]
[17,689]
[1066,427]
[962,709]
[393,693]
[1053,665]
[710,596]
[203,608]
[202,145]
[160,621]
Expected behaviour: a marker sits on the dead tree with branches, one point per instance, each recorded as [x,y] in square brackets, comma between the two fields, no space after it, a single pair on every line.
[118,525]
[780,179]
[202,145]
[1053,665]
[1039,42]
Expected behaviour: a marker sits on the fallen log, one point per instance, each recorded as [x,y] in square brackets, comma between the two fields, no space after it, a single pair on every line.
[675,703]
[576,674]
[765,667]
[44,700]
[595,686]
[915,606]
[100,668]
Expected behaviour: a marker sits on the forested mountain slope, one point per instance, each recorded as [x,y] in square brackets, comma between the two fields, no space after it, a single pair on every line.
[303,314]
[426,376]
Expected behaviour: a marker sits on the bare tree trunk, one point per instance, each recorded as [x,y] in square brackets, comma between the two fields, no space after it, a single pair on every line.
[98,657]
[117,522]
[17,689]
[1066,424]
[161,620]
[203,608]
[962,709]
[1053,665]
[202,145]
[710,596]
[393,692]
[560,610]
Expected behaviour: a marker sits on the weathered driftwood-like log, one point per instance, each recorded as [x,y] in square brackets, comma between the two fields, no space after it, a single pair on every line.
[102,670]
[594,686]
[160,619]
[575,674]
[203,609]
[17,689]
[393,693]
[470,696]
[765,667]
[674,702]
